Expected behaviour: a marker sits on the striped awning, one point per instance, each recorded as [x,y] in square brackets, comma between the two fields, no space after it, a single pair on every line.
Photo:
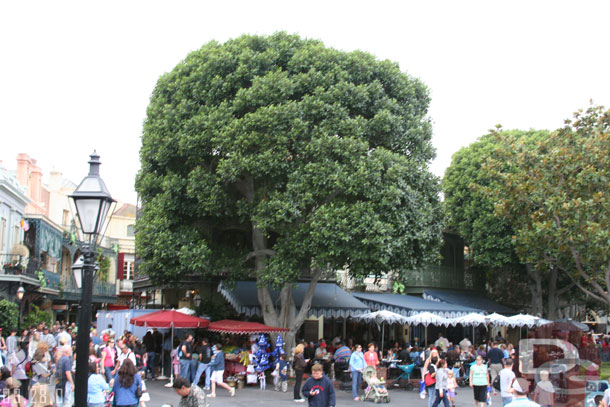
[409,305]
[329,300]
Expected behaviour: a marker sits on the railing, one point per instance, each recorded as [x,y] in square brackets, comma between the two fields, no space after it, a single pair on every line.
[17,265]
[14,264]
[99,288]
[49,279]
[126,285]
[442,277]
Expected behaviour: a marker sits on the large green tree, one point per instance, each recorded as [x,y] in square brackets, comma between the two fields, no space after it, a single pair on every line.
[557,198]
[470,211]
[277,158]
[471,195]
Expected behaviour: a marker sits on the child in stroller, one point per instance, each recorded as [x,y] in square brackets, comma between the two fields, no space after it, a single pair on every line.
[376,389]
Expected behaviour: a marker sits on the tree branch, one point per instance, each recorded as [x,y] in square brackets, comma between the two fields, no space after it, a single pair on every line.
[306,305]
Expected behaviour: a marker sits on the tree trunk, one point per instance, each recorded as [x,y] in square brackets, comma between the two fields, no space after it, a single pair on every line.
[287,316]
[535,289]
[552,301]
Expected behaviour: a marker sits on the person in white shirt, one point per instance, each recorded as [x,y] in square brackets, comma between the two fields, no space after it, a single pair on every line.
[33,344]
[63,337]
[442,343]
[48,338]
[465,344]
[506,380]
[125,353]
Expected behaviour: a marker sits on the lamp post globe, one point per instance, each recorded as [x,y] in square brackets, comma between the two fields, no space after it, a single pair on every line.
[93,203]
[77,271]
[20,293]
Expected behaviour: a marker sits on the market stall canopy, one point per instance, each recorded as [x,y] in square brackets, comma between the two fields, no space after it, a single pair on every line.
[228,326]
[427,318]
[408,305]
[167,319]
[384,316]
[329,300]
[470,299]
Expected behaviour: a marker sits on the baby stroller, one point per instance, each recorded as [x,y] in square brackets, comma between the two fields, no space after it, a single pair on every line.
[375,389]
[405,374]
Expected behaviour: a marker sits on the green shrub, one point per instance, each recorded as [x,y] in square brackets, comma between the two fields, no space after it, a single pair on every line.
[9,312]
[36,316]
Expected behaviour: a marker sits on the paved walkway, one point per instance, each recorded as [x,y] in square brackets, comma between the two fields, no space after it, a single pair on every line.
[253,396]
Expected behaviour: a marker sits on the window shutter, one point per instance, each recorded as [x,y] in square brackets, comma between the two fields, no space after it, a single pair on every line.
[120,275]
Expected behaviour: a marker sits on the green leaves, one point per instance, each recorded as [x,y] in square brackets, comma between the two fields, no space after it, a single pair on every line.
[323,151]
[543,195]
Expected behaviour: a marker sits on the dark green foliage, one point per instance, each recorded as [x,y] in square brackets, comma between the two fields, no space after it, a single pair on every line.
[36,316]
[9,313]
[325,152]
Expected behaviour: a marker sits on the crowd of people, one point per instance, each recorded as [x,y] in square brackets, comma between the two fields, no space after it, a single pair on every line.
[38,366]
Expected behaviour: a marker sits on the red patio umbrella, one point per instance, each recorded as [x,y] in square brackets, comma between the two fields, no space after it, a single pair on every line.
[229,326]
[168,319]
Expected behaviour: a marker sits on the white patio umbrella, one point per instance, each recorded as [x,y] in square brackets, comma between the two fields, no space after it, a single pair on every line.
[473,319]
[425,319]
[529,321]
[499,319]
[382,317]
[522,320]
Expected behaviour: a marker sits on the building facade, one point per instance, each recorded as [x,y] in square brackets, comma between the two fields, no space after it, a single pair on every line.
[49,244]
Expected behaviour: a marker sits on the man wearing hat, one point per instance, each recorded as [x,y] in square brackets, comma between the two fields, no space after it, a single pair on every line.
[520,389]
[48,337]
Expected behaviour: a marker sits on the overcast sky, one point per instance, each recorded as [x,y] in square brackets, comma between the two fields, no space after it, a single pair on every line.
[77,76]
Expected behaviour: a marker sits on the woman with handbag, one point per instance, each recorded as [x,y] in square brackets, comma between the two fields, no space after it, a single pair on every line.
[127,385]
[429,373]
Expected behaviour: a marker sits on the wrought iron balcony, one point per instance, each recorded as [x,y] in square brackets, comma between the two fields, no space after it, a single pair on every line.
[100,289]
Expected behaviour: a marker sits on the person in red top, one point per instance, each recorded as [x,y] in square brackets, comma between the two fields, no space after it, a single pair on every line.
[370,357]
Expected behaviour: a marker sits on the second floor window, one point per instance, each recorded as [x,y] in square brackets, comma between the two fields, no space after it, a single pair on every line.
[130,230]
[128,270]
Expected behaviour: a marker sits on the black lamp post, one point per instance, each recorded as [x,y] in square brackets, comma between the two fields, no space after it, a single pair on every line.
[93,203]
[20,294]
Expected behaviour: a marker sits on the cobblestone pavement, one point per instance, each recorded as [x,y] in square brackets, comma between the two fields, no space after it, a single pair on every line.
[253,396]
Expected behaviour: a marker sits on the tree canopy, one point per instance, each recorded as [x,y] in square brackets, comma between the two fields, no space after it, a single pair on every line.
[470,210]
[537,199]
[276,158]
[558,200]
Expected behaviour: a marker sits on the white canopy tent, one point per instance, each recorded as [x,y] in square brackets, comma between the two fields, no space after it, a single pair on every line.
[383,317]
[425,319]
